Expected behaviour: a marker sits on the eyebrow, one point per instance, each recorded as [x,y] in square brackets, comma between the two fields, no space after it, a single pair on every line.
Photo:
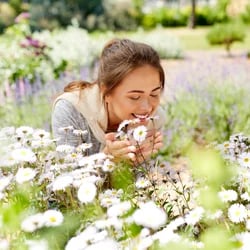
[140,91]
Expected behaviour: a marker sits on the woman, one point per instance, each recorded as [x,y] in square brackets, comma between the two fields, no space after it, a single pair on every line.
[129,84]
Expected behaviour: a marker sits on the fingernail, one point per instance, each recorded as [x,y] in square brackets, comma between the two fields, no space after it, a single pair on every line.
[131,155]
[132,148]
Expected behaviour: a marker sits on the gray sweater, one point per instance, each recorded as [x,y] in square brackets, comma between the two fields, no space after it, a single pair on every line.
[64,115]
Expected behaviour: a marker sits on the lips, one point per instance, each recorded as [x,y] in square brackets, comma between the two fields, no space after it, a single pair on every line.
[141,117]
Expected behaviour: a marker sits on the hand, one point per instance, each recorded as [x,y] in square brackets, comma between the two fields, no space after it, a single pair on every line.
[151,145]
[119,149]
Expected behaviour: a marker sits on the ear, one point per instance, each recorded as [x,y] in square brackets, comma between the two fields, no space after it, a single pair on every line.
[103,90]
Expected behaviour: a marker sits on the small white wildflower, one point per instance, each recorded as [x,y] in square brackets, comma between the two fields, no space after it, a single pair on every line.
[119,209]
[4,182]
[62,182]
[41,143]
[107,243]
[24,175]
[140,133]
[99,236]
[194,216]
[7,131]
[149,215]
[228,195]
[109,201]
[174,224]
[248,224]
[83,147]
[243,240]
[1,197]
[76,243]
[66,129]
[24,130]
[7,161]
[108,166]
[53,218]
[23,155]
[123,125]
[216,215]
[4,244]
[237,213]
[245,196]
[79,132]
[32,223]
[244,159]
[41,134]
[87,192]
[64,148]
[37,245]
[165,236]
[142,182]
[145,243]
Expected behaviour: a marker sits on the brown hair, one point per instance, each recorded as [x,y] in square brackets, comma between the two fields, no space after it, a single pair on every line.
[118,58]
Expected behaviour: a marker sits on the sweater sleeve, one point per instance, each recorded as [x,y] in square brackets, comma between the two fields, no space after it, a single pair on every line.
[65,115]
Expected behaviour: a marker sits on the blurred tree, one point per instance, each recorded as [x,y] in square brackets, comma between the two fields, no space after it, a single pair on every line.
[16,5]
[55,13]
[193,14]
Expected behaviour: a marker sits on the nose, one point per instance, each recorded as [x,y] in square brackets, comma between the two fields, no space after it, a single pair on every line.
[145,106]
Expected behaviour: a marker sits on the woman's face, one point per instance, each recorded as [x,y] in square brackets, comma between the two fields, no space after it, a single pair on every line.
[137,96]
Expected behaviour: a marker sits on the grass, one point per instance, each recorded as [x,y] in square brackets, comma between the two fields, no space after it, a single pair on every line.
[195,39]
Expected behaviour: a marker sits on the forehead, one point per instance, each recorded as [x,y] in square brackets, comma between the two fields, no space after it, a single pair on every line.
[145,78]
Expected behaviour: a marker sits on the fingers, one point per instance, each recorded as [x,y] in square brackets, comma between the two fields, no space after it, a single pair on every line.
[125,149]
[119,149]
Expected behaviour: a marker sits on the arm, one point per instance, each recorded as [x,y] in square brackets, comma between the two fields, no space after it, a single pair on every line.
[65,115]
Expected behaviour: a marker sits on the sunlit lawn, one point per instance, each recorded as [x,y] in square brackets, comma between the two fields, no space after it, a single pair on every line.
[195,39]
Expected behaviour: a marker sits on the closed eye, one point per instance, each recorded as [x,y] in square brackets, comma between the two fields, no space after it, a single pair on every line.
[134,98]
[154,95]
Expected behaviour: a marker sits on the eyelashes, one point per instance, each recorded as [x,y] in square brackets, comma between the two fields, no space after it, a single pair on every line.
[138,97]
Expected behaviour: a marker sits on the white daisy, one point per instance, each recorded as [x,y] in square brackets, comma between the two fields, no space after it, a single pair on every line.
[237,213]
[1,197]
[244,159]
[165,236]
[41,134]
[244,240]
[76,243]
[216,215]
[142,182]
[66,129]
[149,215]
[62,182]
[4,182]
[79,132]
[107,243]
[108,166]
[228,195]
[64,148]
[194,216]
[32,223]
[23,155]
[245,196]
[53,218]
[24,130]
[82,147]
[4,244]
[140,133]
[41,143]
[123,125]
[119,209]
[24,175]
[87,192]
